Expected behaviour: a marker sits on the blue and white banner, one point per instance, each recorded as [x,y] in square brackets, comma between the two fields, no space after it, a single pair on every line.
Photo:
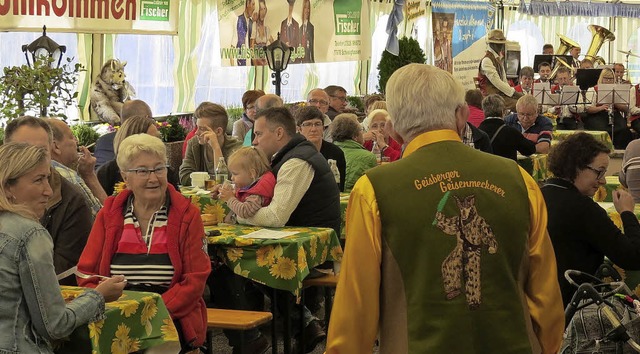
[459,28]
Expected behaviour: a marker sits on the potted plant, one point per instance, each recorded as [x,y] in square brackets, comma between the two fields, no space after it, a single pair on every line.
[410,52]
[173,134]
[40,88]
[85,134]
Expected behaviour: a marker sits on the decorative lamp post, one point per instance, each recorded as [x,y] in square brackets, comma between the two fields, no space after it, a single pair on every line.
[46,46]
[278,56]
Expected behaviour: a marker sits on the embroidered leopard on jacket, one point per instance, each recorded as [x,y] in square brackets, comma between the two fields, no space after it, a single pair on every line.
[471,231]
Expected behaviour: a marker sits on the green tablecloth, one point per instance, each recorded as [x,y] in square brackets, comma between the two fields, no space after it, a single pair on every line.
[136,321]
[631,278]
[207,204]
[279,264]
[602,136]
[605,192]
[536,165]
[344,201]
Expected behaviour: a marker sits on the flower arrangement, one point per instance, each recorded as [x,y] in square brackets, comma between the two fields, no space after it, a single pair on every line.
[551,116]
[171,129]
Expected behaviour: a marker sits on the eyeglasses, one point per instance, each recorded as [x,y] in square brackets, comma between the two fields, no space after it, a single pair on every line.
[600,173]
[311,124]
[343,99]
[145,172]
[320,102]
[529,115]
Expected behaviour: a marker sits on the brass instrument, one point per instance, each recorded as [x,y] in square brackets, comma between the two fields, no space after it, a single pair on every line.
[600,35]
[566,44]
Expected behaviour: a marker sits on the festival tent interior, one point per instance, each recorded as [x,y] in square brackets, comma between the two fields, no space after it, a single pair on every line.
[174,71]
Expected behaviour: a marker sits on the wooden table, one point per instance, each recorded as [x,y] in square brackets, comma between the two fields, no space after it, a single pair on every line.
[136,321]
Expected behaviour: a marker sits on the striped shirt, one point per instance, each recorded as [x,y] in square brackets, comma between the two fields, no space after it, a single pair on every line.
[73,177]
[142,257]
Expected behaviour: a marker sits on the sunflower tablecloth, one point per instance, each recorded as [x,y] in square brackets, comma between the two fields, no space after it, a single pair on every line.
[344,201]
[136,321]
[536,165]
[279,264]
[206,204]
[631,278]
[605,192]
[602,136]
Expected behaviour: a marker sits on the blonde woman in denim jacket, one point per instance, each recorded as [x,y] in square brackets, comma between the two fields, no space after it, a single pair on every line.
[32,310]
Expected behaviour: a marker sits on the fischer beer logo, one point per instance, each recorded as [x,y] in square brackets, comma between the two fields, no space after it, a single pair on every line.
[99,9]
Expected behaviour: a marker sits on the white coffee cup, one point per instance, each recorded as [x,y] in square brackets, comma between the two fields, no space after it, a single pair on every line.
[198,178]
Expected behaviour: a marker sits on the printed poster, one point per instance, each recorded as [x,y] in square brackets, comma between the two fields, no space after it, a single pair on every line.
[459,30]
[318,30]
[90,16]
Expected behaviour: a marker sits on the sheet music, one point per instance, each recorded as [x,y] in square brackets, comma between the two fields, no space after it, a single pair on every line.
[614,93]
[570,95]
[542,93]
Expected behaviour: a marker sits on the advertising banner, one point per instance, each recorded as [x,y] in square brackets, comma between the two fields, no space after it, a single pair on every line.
[459,28]
[90,16]
[318,30]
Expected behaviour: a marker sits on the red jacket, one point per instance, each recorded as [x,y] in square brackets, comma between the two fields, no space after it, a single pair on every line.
[264,188]
[393,150]
[190,262]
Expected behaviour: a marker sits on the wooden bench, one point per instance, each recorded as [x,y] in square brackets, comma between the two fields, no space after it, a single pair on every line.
[235,320]
[326,281]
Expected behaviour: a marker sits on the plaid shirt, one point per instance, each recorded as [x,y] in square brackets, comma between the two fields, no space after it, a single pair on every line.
[73,177]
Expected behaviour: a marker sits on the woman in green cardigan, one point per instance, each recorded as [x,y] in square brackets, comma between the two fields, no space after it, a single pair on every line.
[347,134]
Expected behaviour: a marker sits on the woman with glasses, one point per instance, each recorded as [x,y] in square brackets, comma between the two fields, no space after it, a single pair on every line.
[153,236]
[380,130]
[310,122]
[109,174]
[581,231]
[607,117]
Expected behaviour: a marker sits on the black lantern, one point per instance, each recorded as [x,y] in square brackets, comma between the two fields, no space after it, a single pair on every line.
[278,56]
[44,45]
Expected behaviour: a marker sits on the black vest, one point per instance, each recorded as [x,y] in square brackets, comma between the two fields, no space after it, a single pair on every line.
[320,205]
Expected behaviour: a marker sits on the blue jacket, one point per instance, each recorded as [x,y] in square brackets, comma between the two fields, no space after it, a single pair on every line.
[34,312]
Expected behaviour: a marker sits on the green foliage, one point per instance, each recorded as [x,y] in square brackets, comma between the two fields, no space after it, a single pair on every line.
[1,136]
[41,88]
[171,129]
[85,134]
[356,102]
[234,114]
[410,52]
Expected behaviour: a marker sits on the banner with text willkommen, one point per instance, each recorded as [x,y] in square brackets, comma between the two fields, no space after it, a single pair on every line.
[459,28]
[318,30]
[90,16]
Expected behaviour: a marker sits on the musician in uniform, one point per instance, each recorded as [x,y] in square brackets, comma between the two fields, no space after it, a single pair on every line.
[492,76]
[618,70]
[526,81]
[568,115]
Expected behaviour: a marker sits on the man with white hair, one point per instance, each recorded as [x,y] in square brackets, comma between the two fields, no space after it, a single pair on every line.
[459,244]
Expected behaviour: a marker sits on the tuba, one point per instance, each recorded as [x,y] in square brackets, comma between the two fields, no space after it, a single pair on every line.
[566,44]
[599,35]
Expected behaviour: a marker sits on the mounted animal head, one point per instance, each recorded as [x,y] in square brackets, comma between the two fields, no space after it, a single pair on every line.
[113,73]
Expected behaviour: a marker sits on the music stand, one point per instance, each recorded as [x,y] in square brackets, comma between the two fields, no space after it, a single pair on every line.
[569,95]
[614,93]
[541,58]
[542,93]
[586,78]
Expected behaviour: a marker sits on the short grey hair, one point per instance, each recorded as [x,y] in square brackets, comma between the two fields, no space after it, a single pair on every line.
[423,98]
[493,106]
[527,101]
[134,145]
[345,126]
